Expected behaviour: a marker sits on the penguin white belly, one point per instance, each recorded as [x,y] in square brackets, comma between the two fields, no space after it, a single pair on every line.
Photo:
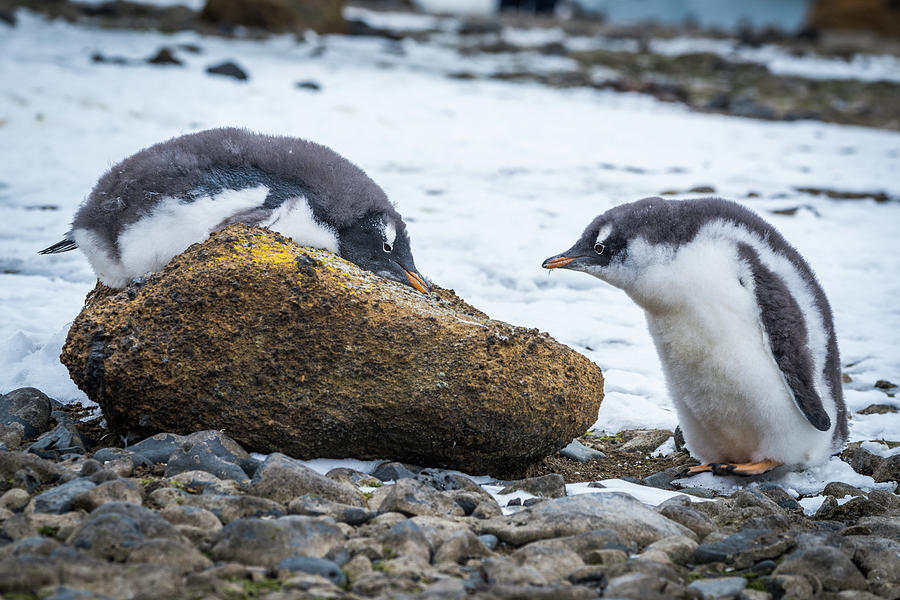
[149,244]
[732,400]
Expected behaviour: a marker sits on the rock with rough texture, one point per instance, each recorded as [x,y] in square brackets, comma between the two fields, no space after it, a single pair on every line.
[545,486]
[578,451]
[59,499]
[322,16]
[744,548]
[295,350]
[282,479]
[265,542]
[888,470]
[28,407]
[62,440]
[829,565]
[210,451]
[631,520]
[411,497]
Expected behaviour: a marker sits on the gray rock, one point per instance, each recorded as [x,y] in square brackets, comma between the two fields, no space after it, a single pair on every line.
[393,471]
[852,510]
[839,489]
[315,506]
[158,448]
[462,546]
[201,456]
[888,470]
[693,519]
[744,548]
[177,554]
[353,477]
[885,498]
[28,407]
[679,550]
[490,541]
[62,440]
[862,461]
[587,545]
[645,587]
[228,69]
[780,497]
[469,501]
[315,566]
[555,563]
[663,479]
[411,497]
[282,478]
[14,499]
[879,559]
[505,570]
[646,441]
[115,530]
[406,539]
[885,526]
[265,542]
[59,499]
[795,587]
[437,530]
[720,587]
[196,524]
[631,520]
[829,565]
[578,451]
[545,486]
[11,435]
[104,455]
[63,592]
[228,508]
[117,490]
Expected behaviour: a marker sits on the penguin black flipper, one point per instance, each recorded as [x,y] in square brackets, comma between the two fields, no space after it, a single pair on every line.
[61,246]
[786,329]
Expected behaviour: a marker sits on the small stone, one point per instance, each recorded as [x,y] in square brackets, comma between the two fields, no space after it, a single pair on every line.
[578,451]
[412,497]
[392,471]
[228,69]
[780,497]
[315,506]
[28,407]
[405,539]
[309,85]
[663,479]
[878,409]
[545,486]
[282,478]
[555,563]
[228,508]
[794,587]
[646,441]
[113,531]
[157,448]
[639,585]
[315,566]
[721,587]
[14,499]
[11,434]
[744,548]
[353,477]
[59,499]
[265,542]
[888,470]
[62,440]
[829,565]
[678,549]
[886,527]
[505,570]
[196,524]
[487,509]
[164,56]
[883,384]
[107,455]
[117,490]
[839,489]
[460,547]
[691,518]
[175,553]
[862,461]
[356,567]
[201,456]
[698,492]
[490,541]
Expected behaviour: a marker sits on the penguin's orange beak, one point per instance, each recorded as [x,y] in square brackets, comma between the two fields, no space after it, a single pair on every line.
[416,281]
[557,262]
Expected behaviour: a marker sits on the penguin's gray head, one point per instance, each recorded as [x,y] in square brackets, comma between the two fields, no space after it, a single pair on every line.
[620,243]
[379,243]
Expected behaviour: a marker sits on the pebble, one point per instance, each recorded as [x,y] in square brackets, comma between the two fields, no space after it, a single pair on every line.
[578,451]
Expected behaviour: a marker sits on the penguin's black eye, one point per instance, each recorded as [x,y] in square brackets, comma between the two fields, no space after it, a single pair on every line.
[387,247]
[599,248]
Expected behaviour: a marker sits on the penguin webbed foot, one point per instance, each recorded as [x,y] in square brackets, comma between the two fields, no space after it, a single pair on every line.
[742,469]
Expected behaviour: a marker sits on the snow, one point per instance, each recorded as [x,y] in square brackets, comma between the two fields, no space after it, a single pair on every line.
[492,177]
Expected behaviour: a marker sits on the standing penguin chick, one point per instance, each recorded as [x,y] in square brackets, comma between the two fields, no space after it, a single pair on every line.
[743,329]
[154,204]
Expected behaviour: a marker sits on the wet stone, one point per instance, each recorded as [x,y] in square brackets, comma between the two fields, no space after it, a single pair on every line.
[28,407]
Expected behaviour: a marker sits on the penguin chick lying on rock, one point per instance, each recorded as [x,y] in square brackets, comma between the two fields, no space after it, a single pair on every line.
[742,328]
[154,204]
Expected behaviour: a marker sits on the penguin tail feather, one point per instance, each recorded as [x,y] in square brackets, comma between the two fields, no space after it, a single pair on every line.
[61,246]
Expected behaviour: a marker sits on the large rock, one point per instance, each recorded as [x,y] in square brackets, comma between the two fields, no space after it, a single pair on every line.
[323,16]
[296,350]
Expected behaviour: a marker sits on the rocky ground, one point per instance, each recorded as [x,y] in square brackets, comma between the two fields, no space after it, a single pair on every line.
[197,517]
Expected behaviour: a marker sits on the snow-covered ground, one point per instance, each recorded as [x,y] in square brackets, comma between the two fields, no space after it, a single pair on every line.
[491,177]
